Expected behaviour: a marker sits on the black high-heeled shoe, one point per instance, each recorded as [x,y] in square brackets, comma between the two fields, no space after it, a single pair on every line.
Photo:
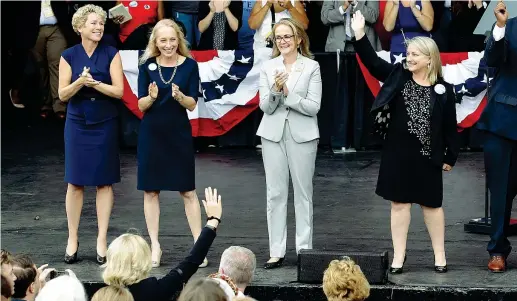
[398,270]
[71,259]
[274,265]
[101,259]
[440,269]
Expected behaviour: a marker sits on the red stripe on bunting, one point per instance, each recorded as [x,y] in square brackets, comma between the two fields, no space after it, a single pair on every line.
[203,56]
[130,100]
[473,117]
[207,127]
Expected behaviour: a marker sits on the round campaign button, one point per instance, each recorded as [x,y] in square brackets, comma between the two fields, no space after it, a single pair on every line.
[133,4]
[152,66]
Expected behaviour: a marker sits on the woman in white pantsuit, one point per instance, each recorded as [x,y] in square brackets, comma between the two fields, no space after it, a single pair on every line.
[290,96]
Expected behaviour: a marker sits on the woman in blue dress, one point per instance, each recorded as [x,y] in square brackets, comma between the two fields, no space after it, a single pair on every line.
[407,19]
[91,81]
[168,85]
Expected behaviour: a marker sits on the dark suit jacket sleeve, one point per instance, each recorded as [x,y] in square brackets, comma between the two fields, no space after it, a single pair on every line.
[378,67]
[450,130]
[177,277]
[495,52]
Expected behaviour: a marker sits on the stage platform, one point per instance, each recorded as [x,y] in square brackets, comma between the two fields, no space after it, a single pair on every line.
[348,216]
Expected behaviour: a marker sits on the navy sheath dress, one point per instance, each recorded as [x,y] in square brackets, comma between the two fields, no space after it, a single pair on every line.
[91,127]
[165,145]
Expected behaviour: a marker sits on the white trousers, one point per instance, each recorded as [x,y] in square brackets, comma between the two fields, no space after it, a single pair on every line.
[280,159]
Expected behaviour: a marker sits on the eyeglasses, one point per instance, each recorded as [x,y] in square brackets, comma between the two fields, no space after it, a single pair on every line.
[286,38]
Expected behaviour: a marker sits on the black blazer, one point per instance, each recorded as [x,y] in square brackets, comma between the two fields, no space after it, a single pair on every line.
[27,22]
[444,134]
[500,114]
[206,42]
[167,287]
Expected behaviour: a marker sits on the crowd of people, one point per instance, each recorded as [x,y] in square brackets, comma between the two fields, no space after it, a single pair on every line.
[414,113]
[44,30]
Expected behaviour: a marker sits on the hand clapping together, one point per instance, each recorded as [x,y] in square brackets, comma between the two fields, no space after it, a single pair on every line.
[281,78]
[86,78]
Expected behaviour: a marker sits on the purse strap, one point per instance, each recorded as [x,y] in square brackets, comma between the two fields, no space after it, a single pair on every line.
[273,21]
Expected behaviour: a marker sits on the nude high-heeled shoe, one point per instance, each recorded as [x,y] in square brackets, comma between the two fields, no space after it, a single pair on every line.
[156,263]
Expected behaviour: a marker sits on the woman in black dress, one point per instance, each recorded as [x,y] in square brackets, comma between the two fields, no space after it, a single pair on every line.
[420,142]
[168,84]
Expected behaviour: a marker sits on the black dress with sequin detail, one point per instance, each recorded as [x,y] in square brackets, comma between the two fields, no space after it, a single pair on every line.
[407,174]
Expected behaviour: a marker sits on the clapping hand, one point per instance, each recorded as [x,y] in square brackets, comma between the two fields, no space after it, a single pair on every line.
[176,93]
[218,5]
[280,79]
[87,79]
[358,24]
[153,90]
[446,167]
[412,3]
[226,4]
[285,4]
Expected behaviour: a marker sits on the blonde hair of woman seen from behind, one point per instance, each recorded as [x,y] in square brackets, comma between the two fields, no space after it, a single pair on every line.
[128,261]
[202,289]
[113,293]
[152,50]
[300,37]
[81,15]
[343,280]
[428,48]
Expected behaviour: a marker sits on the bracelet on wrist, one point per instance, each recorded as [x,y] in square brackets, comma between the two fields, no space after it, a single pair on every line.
[213,217]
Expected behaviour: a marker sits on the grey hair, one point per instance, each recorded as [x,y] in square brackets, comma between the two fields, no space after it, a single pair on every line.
[63,288]
[238,263]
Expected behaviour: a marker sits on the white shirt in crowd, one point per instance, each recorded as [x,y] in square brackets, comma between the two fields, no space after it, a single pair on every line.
[265,28]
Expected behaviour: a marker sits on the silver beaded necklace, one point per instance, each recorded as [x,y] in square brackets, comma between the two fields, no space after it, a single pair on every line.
[173,73]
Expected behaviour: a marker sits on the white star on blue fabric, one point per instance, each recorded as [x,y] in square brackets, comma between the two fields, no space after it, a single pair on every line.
[220,87]
[463,90]
[399,58]
[233,77]
[244,60]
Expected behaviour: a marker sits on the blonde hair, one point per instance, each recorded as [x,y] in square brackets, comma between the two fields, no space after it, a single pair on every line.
[81,15]
[152,50]
[113,293]
[343,280]
[428,47]
[202,289]
[245,298]
[299,36]
[128,261]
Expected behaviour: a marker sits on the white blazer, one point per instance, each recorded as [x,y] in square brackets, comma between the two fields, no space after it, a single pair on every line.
[300,107]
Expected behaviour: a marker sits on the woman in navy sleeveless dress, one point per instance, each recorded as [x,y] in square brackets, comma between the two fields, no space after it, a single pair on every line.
[407,19]
[91,81]
[168,86]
